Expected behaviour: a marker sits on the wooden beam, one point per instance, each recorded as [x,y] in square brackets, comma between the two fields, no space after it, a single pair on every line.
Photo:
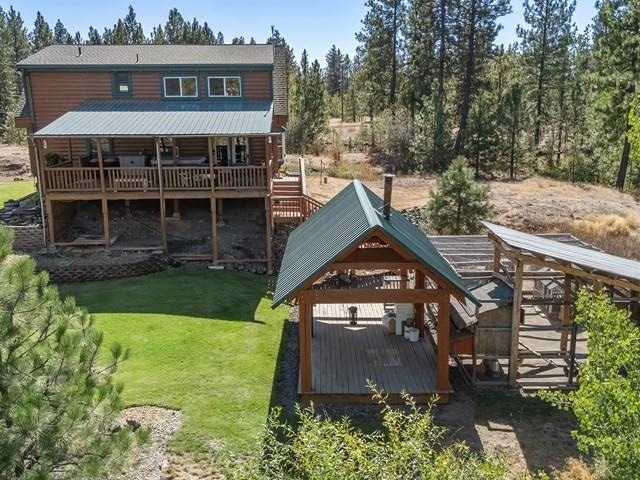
[496,259]
[212,180]
[442,364]
[374,266]
[105,224]
[163,226]
[381,254]
[268,215]
[304,342]
[565,313]
[419,307]
[372,295]
[404,279]
[515,323]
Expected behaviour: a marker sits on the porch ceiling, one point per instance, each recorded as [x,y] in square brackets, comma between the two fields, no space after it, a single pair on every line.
[162,119]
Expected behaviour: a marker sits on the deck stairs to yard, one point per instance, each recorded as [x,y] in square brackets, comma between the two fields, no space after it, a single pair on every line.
[289,200]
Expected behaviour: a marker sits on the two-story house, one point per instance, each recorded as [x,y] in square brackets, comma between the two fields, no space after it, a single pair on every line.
[170,147]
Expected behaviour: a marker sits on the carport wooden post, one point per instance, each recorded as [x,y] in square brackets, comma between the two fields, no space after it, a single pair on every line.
[515,322]
[163,227]
[444,308]
[566,313]
[269,249]
[419,307]
[212,202]
[305,317]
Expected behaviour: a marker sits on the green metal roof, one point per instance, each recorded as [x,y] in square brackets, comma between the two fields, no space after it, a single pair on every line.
[125,118]
[347,219]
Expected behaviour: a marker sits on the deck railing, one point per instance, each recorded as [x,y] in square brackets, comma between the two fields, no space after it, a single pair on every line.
[145,179]
[239,178]
[294,209]
[66,179]
[131,179]
[186,178]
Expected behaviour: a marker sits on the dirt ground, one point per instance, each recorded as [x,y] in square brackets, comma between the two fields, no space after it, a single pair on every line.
[14,162]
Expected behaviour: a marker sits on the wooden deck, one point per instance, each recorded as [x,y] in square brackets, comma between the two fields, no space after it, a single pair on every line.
[345,356]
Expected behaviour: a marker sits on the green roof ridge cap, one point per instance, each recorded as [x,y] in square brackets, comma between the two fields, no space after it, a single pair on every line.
[370,213]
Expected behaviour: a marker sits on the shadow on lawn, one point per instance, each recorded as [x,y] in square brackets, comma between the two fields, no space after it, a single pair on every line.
[190,292]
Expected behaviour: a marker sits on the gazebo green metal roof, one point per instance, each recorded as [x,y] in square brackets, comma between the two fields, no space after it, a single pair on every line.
[347,219]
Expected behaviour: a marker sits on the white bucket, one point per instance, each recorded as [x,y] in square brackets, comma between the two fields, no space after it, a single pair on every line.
[411,334]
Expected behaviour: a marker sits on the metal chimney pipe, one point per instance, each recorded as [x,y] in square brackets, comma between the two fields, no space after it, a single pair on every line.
[388,185]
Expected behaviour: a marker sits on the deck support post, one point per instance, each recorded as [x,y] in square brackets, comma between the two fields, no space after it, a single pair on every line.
[51,229]
[105,223]
[419,307]
[442,374]
[565,313]
[496,259]
[100,164]
[305,317]
[268,215]
[163,226]
[515,322]
[214,231]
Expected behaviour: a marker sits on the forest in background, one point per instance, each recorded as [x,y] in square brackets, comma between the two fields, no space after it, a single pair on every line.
[429,84]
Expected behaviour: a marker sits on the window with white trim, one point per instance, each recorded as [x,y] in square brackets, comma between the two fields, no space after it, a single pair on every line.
[224,86]
[181,87]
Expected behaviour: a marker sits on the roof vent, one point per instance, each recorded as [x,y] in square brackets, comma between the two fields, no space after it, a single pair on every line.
[137,57]
[79,50]
[388,184]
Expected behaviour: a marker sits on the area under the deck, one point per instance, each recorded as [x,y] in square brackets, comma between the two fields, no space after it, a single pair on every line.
[344,357]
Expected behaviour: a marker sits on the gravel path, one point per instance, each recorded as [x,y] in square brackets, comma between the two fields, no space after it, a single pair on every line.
[151,461]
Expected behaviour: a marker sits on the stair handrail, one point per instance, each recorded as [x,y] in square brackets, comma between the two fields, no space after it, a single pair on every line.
[303,176]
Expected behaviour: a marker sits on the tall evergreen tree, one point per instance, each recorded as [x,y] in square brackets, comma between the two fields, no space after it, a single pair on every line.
[61,35]
[116,35]
[17,40]
[512,121]
[618,66]
[133,28]
[41,36]
[94,37]
[380,42]
[174,29]
[334,71]
[478,23]
[543,42]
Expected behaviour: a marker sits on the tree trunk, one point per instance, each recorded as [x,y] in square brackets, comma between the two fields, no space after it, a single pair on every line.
[468,80]
[442,49]
[541,74]
[394,59]
[624,164]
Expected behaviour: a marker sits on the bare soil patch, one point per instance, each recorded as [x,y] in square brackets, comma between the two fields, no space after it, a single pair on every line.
[14,162]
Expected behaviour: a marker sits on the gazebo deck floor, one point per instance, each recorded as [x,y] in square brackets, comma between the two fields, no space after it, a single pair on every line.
[346,356]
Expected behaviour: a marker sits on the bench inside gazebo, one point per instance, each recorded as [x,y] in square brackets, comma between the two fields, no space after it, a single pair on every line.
[336,260]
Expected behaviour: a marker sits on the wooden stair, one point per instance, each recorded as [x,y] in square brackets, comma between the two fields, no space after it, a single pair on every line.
[289,200]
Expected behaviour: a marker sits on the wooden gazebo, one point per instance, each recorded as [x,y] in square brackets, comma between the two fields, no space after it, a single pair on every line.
[356,232]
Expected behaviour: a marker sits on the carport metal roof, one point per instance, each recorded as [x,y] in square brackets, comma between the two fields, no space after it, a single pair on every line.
[575,260]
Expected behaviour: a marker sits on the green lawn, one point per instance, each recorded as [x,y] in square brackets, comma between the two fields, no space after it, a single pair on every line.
[15,190]
[205,342]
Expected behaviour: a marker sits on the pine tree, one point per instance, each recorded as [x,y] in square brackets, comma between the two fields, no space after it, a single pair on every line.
[116,35]
[133,28]
[380,42]
[420,37]
[458,203]
[512,121]
[57,394]
[41,36]
[334,71]
[17,40]
[94,37]
[209,36]
[61,35]
[616,54]
[478,28]
[220,39]
[481,134]
[238,41]
[157,36]
[174,29]
[543,43]
[77,38]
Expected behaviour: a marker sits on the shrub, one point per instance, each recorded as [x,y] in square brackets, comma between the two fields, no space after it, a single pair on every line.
[458,203]
[607,403]
[410,445]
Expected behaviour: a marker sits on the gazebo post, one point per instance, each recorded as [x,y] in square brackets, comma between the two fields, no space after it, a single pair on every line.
[305,315]
[444,307]
[419,307]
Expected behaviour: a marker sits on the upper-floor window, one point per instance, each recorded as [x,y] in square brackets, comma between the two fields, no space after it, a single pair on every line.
[224,86]
[122,84]
[177,87]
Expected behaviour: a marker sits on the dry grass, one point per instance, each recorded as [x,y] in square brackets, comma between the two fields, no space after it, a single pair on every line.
[353,171]
[606,225]
[575,469]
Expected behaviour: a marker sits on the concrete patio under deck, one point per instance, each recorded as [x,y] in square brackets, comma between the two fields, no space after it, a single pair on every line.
[345,356]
